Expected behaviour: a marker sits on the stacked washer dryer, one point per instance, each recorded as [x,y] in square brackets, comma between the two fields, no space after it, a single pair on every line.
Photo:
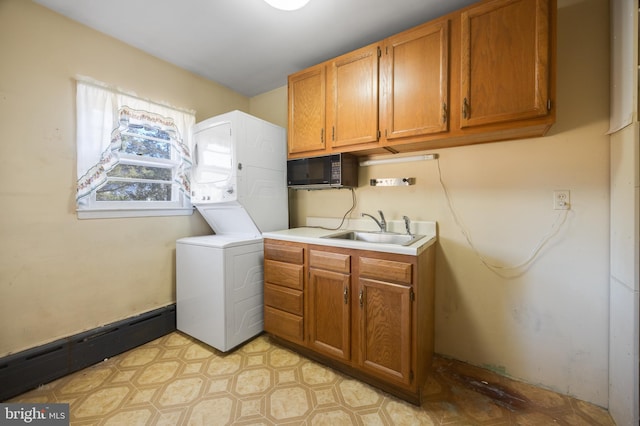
[238,184]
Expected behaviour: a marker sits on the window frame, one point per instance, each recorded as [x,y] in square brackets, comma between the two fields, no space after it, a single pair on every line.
[89,207]
[131,160]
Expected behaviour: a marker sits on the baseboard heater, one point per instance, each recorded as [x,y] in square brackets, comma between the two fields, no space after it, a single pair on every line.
[26,370]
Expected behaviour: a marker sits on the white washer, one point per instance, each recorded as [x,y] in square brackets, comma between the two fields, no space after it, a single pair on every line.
[220,293]
[239,186]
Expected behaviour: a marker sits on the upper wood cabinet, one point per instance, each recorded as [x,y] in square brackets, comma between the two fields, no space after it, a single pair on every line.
[306,129]
[415,82]
[352,100]
[505,62]
[481,74]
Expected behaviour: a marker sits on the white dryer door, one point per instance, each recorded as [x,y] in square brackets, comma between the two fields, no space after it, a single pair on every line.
[213,174]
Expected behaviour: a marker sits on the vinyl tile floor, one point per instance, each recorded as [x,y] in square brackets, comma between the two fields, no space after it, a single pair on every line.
[177,380]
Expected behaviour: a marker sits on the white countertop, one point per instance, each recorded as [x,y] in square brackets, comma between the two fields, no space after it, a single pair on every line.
[317,229]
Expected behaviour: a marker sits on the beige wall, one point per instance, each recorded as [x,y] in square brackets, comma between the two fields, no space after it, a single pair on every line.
[271,106]
[548,324]
[60,275]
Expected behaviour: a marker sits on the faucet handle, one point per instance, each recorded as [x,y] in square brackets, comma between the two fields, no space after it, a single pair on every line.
[383,222]
[407,224]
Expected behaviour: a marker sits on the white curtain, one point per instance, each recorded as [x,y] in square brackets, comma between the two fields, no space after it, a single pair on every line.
[99,112]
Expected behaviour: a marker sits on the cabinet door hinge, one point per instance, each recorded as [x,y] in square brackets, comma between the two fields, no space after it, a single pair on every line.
[412,295]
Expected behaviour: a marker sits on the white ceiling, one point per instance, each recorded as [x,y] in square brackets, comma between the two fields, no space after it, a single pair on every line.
[247,45]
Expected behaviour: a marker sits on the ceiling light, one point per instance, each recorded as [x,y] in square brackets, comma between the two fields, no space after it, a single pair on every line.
[287,4]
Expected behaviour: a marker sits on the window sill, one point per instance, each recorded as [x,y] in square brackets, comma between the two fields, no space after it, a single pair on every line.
[119,213]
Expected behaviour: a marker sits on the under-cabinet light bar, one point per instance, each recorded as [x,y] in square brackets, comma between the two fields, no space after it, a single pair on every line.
[399,160]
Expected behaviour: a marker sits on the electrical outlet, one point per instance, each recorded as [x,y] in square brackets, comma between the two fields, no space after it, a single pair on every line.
[561,200]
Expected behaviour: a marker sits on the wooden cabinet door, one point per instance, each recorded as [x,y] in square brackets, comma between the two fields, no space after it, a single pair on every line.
[415,81]
[352,100]
[505,59]
[385,318]
[306,130]
[330,313]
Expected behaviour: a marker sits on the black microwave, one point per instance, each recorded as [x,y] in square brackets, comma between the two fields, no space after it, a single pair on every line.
[326,171]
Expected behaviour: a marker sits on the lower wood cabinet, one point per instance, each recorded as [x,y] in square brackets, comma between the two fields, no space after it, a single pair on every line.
[284,280]
[329,297]
[366,313]
[386,321]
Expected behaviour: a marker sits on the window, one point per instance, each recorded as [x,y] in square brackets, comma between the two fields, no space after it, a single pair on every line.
[133,155]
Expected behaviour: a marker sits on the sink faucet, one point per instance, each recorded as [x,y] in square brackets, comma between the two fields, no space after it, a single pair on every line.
[381,223]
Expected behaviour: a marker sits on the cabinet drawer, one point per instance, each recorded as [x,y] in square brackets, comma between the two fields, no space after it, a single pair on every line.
[283,324]
[337,262]
[289,254]
[385,270]
[283,298]
[284,274]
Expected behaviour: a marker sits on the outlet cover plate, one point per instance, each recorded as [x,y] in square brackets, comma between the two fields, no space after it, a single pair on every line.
[561,199]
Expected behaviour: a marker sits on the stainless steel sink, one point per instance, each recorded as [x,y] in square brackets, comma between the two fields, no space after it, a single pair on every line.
[377,237]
